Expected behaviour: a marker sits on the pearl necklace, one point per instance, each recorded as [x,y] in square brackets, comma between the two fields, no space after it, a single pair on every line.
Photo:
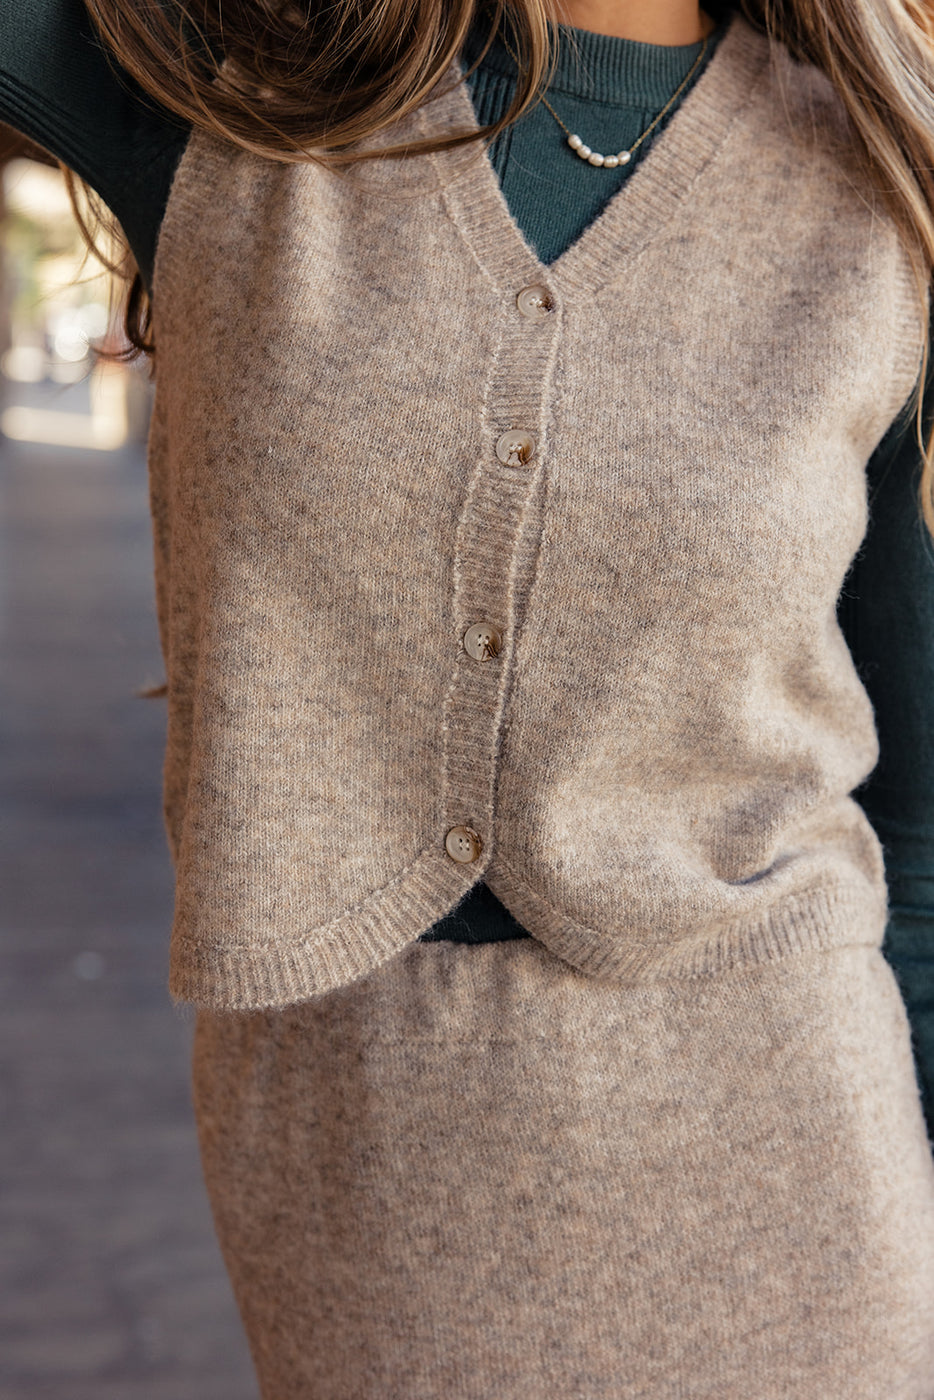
[622,157]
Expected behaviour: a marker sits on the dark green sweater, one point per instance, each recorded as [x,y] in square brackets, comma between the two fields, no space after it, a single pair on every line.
[57,87]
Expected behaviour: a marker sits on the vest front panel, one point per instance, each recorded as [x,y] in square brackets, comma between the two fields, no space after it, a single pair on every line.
[659,760]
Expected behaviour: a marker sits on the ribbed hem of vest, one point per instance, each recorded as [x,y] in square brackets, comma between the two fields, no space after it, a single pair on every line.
[227,977]
[826,916]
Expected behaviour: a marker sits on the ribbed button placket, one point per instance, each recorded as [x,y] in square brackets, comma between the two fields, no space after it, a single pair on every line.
[494,545]
[495,553]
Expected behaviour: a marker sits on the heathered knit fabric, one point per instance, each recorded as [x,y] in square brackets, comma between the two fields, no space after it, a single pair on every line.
[477,1174]
[659,761]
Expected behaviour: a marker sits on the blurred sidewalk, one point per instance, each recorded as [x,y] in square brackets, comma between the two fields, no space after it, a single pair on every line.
[111,1283]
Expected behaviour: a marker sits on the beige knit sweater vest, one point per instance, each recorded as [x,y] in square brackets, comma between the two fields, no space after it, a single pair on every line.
[647,477]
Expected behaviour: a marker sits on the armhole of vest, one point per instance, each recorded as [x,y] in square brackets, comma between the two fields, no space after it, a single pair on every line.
[908,349]
[164,240]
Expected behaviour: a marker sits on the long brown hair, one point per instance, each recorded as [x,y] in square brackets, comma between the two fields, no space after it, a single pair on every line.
[298,80]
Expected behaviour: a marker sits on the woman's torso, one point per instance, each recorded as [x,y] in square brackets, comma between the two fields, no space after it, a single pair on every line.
[57,86]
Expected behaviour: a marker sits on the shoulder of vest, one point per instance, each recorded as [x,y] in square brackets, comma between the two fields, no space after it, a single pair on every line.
[800,99]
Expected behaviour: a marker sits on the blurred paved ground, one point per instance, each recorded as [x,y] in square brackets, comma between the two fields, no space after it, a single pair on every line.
[111,1283]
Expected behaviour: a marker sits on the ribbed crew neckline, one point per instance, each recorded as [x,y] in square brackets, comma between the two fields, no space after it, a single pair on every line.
[600,67]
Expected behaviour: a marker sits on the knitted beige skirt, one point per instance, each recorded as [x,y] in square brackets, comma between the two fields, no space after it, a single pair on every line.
[477,1174]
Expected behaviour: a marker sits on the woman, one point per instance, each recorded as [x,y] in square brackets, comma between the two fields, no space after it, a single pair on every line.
[502,509]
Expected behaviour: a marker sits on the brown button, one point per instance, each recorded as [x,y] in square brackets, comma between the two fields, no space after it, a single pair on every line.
[463,844]
[515,448]
[535,302]
[483,641]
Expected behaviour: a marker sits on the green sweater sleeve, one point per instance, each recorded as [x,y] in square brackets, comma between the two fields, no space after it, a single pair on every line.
[58,87]
[887,614]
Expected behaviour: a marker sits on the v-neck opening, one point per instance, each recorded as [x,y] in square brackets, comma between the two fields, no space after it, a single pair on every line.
[643,204]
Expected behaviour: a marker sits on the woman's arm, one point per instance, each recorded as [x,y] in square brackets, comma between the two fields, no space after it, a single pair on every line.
[59,88]
[887,615]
